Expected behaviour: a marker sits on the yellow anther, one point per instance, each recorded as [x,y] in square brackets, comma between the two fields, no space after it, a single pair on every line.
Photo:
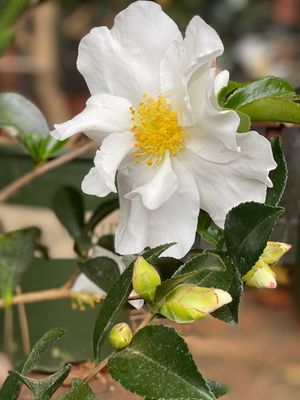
[156,131]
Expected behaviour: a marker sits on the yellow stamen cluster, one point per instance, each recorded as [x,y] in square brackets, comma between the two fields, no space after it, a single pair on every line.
[156,130]
[79,300]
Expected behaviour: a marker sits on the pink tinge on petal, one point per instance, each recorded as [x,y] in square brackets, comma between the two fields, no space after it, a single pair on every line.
[213,63]
[273,285]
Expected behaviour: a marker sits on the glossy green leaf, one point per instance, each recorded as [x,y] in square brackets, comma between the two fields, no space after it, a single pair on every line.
[247,229]
[167,266]
[106,205]
[209,231]
[69,209]
[109,308]
[16,253]
[229,312]
[249,92]
[43,345]
[278,176]
[103,271]
[245,122]
[80,390]
[207,270]
[225,92]
[152,255]
[277,109]
[157,364]
[217,388]
[11,387]
[43,389]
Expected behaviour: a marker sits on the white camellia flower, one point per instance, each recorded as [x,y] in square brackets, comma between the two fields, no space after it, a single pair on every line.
[166,145]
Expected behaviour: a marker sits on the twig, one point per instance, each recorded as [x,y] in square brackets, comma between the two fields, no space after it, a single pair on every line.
[8,329]
[70,282]
[23,324]
[104,362]
[24,180]
[48,295]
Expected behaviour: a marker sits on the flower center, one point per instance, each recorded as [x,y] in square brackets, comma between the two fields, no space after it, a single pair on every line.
[156,130]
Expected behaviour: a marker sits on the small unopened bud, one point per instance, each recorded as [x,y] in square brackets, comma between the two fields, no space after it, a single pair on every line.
[274,251]
[261,276]
[145,279]
[120,336]
[187,303]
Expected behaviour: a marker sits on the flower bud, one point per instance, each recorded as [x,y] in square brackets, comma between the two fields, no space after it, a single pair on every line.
[187,303]
[120,336]
[274,251]
[145,279]
[261,276]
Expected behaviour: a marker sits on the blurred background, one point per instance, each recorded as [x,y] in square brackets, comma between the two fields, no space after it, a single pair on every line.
[261,357]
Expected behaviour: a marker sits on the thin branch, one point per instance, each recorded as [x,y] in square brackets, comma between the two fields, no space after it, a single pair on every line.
[24,180]
[8,329]
[48,295]
[23,324]
[96,370]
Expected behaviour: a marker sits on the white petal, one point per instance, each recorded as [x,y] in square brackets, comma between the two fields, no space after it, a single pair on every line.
[113,150]
[160,188]
[214,128]
[174,221]
[245,178]
[201,44]
[94,184]
[103,114]
[84,285]
[174,83]
[221,81]
[125,60]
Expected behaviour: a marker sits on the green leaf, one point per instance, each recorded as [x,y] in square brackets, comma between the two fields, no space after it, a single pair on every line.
[277,109]
[6,38]
[249,92]
[278,176]
[157,364]
[167,266]
[103,271]
[44,388]
[11,387]
[210,231]
[16,253]
[226,91]
[206,270]
[109,309]
[10,11]
[24,121]
[217,388]
[106,205]
[108,242]
[43,345]
[152,255]
[229,312]
[80,390]
[247,229]
[245,122]
[69,209]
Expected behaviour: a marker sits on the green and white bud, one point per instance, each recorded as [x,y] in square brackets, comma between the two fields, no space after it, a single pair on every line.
[120,336]
[187,303]
[261,276]
[274,251]
[145,279]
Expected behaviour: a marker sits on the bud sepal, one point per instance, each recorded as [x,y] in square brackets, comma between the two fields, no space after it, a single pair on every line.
[120,336]
[187,303]
[145,279]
